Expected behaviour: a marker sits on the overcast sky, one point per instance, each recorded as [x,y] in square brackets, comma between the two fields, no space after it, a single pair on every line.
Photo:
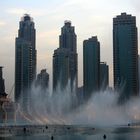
[90,18]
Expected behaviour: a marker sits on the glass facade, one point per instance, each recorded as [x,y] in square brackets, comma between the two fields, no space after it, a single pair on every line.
[25,58]
[104,76]
[61,73]
[65,58]
[68,40]
[125,56]
[91,66]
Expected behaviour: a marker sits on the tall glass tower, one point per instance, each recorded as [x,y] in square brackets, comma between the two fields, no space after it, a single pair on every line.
[91,66]
[25,57]
[104,76]
[125,56]
[60,68]
[28,33]
[67,47]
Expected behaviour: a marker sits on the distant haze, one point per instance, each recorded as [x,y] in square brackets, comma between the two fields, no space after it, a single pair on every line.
[90,18]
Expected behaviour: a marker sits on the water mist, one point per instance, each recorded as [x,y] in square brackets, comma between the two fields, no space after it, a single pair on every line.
[62,107]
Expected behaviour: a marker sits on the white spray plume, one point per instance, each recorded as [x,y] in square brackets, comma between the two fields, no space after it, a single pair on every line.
[61,108]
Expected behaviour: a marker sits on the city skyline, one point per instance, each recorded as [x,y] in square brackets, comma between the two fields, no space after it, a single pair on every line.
[47,34]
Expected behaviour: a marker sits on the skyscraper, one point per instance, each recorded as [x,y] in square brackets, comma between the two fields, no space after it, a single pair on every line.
[25,57]
[139,70]
[104,76]
[60,68]
[43,79]
[65,58]
[28,33]
[125,56]
[91,66]
[68,40]
[2,85]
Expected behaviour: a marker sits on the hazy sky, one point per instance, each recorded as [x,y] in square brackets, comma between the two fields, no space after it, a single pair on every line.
[90,18]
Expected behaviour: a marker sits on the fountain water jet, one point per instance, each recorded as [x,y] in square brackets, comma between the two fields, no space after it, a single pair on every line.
[61,108]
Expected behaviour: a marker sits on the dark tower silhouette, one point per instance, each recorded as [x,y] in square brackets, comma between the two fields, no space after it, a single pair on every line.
[91,66]
[68,40]
[25,58]
[104,75]
[60,68]
[28,33]
[43,79]
[125,56]
[68,50]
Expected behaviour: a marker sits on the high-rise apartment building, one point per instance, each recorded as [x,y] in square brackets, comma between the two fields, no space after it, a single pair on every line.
[139,70]
[68,50]
[104,76]
[43,79]
[60,68]
[25,57]
[125,56]
[91,66]
[68,40]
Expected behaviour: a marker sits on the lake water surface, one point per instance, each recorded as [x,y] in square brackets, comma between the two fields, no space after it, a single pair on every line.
[75,133]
